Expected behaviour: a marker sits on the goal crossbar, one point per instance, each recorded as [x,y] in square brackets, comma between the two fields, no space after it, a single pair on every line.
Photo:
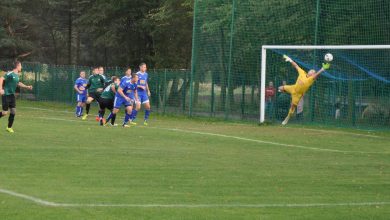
[309,47]
[301,47]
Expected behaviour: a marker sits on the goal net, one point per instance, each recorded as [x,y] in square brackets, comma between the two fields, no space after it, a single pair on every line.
[355,91]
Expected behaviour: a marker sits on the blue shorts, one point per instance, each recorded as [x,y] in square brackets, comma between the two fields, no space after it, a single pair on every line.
[81,98]
[143,97]
[119,101]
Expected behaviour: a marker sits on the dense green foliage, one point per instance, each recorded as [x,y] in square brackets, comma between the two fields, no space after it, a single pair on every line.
[92,32]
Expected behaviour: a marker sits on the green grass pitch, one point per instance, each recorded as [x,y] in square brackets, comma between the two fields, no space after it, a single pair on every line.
[56,166]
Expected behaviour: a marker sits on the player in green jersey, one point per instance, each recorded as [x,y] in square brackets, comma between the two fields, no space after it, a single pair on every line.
[95,88]
[106,100]
[11,81]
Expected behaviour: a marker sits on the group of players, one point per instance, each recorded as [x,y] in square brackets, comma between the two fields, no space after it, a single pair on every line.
[131,91]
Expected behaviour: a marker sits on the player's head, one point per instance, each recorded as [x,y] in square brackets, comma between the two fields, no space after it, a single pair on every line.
[142,67]
[18,66]
[115,79]
[134,77]
[101,70]
[311,72]
[95,70]
[284,82]
[271,84]
[128,71]
[82,74]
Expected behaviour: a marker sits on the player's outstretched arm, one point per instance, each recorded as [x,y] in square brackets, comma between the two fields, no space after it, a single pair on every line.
[325,66]
[288,59]
[21,85]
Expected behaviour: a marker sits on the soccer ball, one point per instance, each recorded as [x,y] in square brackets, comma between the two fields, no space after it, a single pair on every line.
[328,57]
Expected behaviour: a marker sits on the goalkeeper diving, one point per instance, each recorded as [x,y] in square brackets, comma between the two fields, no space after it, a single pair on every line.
[303,83]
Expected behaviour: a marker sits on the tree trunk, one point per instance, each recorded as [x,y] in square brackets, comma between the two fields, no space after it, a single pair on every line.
[70,26]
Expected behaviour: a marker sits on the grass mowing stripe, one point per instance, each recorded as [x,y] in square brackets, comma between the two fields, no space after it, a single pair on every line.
[282,205]
[307,129]
[270,142]
[243,139]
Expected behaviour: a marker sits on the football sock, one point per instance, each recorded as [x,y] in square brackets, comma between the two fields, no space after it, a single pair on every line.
[133,114]
[11,120]
[147,113]
[87,108]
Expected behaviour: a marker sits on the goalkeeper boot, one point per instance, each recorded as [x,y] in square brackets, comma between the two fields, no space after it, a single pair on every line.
[85,117]
[10,130]
[285,120]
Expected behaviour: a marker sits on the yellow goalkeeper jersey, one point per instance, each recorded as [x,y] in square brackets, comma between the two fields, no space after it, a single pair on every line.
[303,82]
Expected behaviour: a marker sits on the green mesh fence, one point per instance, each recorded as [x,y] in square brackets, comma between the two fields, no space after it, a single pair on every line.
[53,83]
[227,40]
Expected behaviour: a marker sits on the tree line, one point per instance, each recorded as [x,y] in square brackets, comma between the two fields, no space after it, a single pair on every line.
[97,32]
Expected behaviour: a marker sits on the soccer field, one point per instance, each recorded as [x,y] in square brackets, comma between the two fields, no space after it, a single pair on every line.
[56,166]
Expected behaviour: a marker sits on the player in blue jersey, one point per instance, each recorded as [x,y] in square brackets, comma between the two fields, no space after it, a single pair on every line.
[126,95]
[143,95]
[81,96]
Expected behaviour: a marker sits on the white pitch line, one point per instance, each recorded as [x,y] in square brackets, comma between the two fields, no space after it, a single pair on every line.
[243,139]
[336,132]
[269,142]
[275,205]
[308,129]
[29,198]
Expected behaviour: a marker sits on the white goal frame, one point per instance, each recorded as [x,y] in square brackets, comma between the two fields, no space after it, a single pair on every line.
[301,47]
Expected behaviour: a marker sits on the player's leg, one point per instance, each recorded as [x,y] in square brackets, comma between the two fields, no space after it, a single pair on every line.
[134,112]
[112,116]
[4,106]
[110,106]
[102,108]
[129,109]
[88,106]
[11,103]
[83,105]
[101,111]
[147,111]
[287,88]
[79,107]
[117,104]
[294,103]
[11,119]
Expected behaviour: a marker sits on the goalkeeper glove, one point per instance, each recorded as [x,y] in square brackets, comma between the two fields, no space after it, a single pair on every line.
[288,59]
[325,66]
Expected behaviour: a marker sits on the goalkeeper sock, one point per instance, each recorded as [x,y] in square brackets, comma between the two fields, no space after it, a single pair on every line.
[291,112]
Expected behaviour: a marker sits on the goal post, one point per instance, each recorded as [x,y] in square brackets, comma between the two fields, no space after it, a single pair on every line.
[357,67]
